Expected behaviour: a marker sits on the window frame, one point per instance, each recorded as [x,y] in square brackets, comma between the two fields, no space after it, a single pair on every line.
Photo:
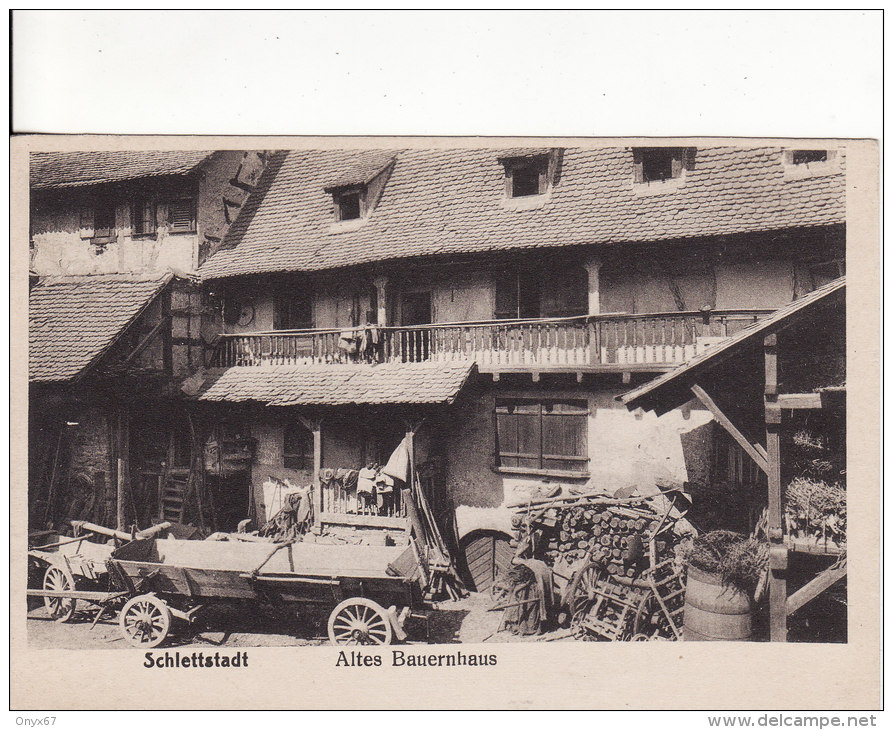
[339,195]
[796,152]
[539,164]
[290,459]
[139,205]
[679,158]
[88,218]
[545,462]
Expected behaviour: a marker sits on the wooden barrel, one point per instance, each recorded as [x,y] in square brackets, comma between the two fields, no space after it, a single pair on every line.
[713,611]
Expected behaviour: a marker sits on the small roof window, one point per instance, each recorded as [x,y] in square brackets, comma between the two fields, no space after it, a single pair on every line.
[528,173]
[804,157]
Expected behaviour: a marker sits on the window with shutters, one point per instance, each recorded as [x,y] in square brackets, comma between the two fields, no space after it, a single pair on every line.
[181,216]
[297,447]
[542,435]
[98,222]
[142,216]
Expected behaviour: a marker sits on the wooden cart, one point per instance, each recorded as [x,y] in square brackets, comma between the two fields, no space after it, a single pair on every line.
[74,569]
[371,589]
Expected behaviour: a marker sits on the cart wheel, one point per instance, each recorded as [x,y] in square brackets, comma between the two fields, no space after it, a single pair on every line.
[359,621]
[582,595]
[145,620]
[650,619]
[57,579]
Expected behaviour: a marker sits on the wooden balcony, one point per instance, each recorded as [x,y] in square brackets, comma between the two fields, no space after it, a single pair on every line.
[603,342]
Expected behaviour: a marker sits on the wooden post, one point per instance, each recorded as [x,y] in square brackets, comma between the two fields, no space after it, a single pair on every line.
[408,498]
[317,467]
[381,288]
[122,452]
[593,266]
[778,554]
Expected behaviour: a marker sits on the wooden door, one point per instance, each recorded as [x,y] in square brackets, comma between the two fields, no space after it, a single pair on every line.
[487,555]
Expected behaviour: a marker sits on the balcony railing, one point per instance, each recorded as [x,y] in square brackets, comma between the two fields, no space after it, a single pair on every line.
[667,338]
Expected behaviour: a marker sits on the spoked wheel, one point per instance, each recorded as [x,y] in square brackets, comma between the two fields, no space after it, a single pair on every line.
[57,579]
[582,596]
[145,620]
[650,620]
[359,621]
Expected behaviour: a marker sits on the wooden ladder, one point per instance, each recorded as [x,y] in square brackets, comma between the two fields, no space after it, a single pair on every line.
[173,498]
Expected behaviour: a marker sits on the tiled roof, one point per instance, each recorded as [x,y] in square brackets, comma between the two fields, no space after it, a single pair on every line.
[73,320]
[70,169]
[361,169]
[452,201]
[654,393]
[337,385]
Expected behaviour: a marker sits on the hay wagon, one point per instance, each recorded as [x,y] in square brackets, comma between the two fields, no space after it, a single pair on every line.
[370,589]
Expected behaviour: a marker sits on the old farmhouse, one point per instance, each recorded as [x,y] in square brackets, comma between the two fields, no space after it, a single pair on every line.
[483,307]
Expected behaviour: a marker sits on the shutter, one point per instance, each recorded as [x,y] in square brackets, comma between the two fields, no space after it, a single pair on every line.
[529,436]
[180,216]
[677,162]
[638,173]
[86,224]
[148,216]
[564,435]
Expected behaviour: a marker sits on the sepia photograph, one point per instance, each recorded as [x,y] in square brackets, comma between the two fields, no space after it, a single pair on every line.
[445,360]
[453,395]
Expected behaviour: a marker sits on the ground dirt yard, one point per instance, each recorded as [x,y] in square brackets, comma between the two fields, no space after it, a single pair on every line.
[255,625]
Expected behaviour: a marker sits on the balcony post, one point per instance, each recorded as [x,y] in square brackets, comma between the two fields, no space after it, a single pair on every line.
[592,266]
[381,288]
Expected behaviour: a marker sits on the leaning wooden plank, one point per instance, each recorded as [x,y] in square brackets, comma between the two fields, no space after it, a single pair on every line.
[724,421]
[818,585]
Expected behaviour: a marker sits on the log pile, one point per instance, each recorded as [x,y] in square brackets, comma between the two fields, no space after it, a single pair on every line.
[614,532]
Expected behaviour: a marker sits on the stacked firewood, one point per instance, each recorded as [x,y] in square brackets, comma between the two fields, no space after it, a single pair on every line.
[614,532]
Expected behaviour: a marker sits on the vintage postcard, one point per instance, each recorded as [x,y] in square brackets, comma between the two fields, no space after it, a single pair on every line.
[445,423]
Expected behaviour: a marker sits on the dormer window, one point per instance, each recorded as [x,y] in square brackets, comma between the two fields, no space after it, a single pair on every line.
[528,178]
[805,157]
[658,164]
[358,186]
[660,170]
[805,163]
[349,205]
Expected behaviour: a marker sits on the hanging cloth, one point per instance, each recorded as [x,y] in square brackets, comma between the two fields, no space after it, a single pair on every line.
[398,464]
[366,481]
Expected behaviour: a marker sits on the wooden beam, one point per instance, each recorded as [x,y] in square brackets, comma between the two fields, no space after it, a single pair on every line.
[316,427]
[818,585]
[122,453]
[798,401]
[724,421]
[778,580]
[146,341]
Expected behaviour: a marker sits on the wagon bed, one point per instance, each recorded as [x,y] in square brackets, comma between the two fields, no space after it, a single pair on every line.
[176,578]
[223,569]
